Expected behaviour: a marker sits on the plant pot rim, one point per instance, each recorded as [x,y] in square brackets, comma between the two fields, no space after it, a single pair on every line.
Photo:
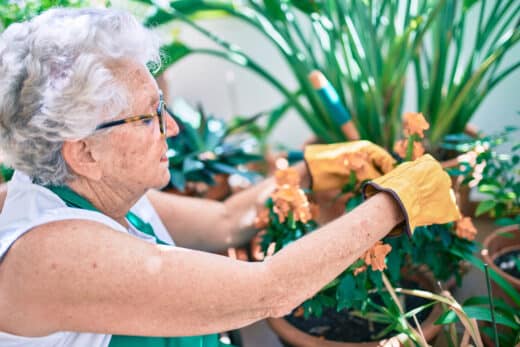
[298,338]
[489,258]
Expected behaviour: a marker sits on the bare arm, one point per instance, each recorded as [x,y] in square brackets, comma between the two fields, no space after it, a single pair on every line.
[82,276]
[211,225]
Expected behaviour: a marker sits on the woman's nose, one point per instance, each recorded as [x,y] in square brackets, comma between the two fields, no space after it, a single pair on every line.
[172,128]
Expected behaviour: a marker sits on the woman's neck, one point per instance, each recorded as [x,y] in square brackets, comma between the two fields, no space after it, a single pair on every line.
[115,203]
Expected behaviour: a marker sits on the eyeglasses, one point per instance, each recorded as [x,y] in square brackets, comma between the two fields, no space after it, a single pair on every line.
[161,113]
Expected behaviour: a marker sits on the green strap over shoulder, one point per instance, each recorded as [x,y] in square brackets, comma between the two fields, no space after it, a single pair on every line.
[191,341]
[72,199]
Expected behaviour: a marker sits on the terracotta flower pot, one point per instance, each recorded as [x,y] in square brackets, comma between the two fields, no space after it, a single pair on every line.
[219,191]
[298,338]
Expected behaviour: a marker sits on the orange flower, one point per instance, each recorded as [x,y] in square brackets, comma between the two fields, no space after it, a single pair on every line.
[289,198]
[360,270]
[465,229]
[359,162]
[376,256]
[355,161]
[414,123]
[287,176]
[262,219]
[401,146]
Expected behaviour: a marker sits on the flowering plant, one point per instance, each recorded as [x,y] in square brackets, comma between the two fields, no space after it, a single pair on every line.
[363,288]
[497,177]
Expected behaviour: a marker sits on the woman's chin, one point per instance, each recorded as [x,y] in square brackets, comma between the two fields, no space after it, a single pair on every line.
[165,180]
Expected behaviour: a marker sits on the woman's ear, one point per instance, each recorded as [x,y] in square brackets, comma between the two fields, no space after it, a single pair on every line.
[79,158]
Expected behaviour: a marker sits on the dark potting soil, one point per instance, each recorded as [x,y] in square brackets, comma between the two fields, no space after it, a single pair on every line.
[507,262]
[343,327]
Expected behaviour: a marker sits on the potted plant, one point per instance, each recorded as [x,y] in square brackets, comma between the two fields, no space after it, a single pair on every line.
[433,254]
[450,87]
[206,152]
[499,181]
[364,49]
[495,175]
[360,289]
[359,301]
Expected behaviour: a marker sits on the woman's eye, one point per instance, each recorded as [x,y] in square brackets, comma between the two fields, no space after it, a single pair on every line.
[148,121]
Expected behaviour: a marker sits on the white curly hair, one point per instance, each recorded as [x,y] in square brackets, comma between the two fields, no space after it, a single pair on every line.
[55,84]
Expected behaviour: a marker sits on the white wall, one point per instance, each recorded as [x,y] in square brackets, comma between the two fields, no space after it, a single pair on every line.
[226,89]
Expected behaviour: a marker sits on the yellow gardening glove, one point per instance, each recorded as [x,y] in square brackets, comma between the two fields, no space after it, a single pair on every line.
[423,191]
[330,165]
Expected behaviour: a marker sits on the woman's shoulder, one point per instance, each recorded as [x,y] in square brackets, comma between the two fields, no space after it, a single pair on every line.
[26,202]
[29,205]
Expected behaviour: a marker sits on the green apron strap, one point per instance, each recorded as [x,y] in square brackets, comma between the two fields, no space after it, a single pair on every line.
[188,341]
[73,199]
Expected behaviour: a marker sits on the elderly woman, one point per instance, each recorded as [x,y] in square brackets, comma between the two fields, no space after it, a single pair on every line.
[87,252]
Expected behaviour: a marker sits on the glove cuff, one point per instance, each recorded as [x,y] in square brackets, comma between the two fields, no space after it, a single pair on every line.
[370,188]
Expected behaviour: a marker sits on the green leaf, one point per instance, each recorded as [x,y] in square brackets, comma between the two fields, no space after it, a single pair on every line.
[469,3]
[419,309]
[376,278]
[190,165]
[485,206]
[484,314]
[158,17]
[505,221]
[446,238]
[275,115]
[504,339]
[447,317]
[489,188]
[344,291]
[498,303]
[274,10]
[394,264]
[326,301]
[291,222]
[177,179]
[506,286]
[331,284]
[507,234]
[353,202]
[307,6]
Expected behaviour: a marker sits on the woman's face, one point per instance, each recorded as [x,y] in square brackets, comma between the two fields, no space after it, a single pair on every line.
[133,155]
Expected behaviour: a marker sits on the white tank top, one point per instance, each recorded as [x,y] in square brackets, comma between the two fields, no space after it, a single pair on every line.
[28,205]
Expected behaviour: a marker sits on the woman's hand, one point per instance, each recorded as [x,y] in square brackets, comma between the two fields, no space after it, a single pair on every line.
[330,165]
[423,191]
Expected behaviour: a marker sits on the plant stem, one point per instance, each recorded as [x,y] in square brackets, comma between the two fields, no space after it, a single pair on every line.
[409,147]
[491,305]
